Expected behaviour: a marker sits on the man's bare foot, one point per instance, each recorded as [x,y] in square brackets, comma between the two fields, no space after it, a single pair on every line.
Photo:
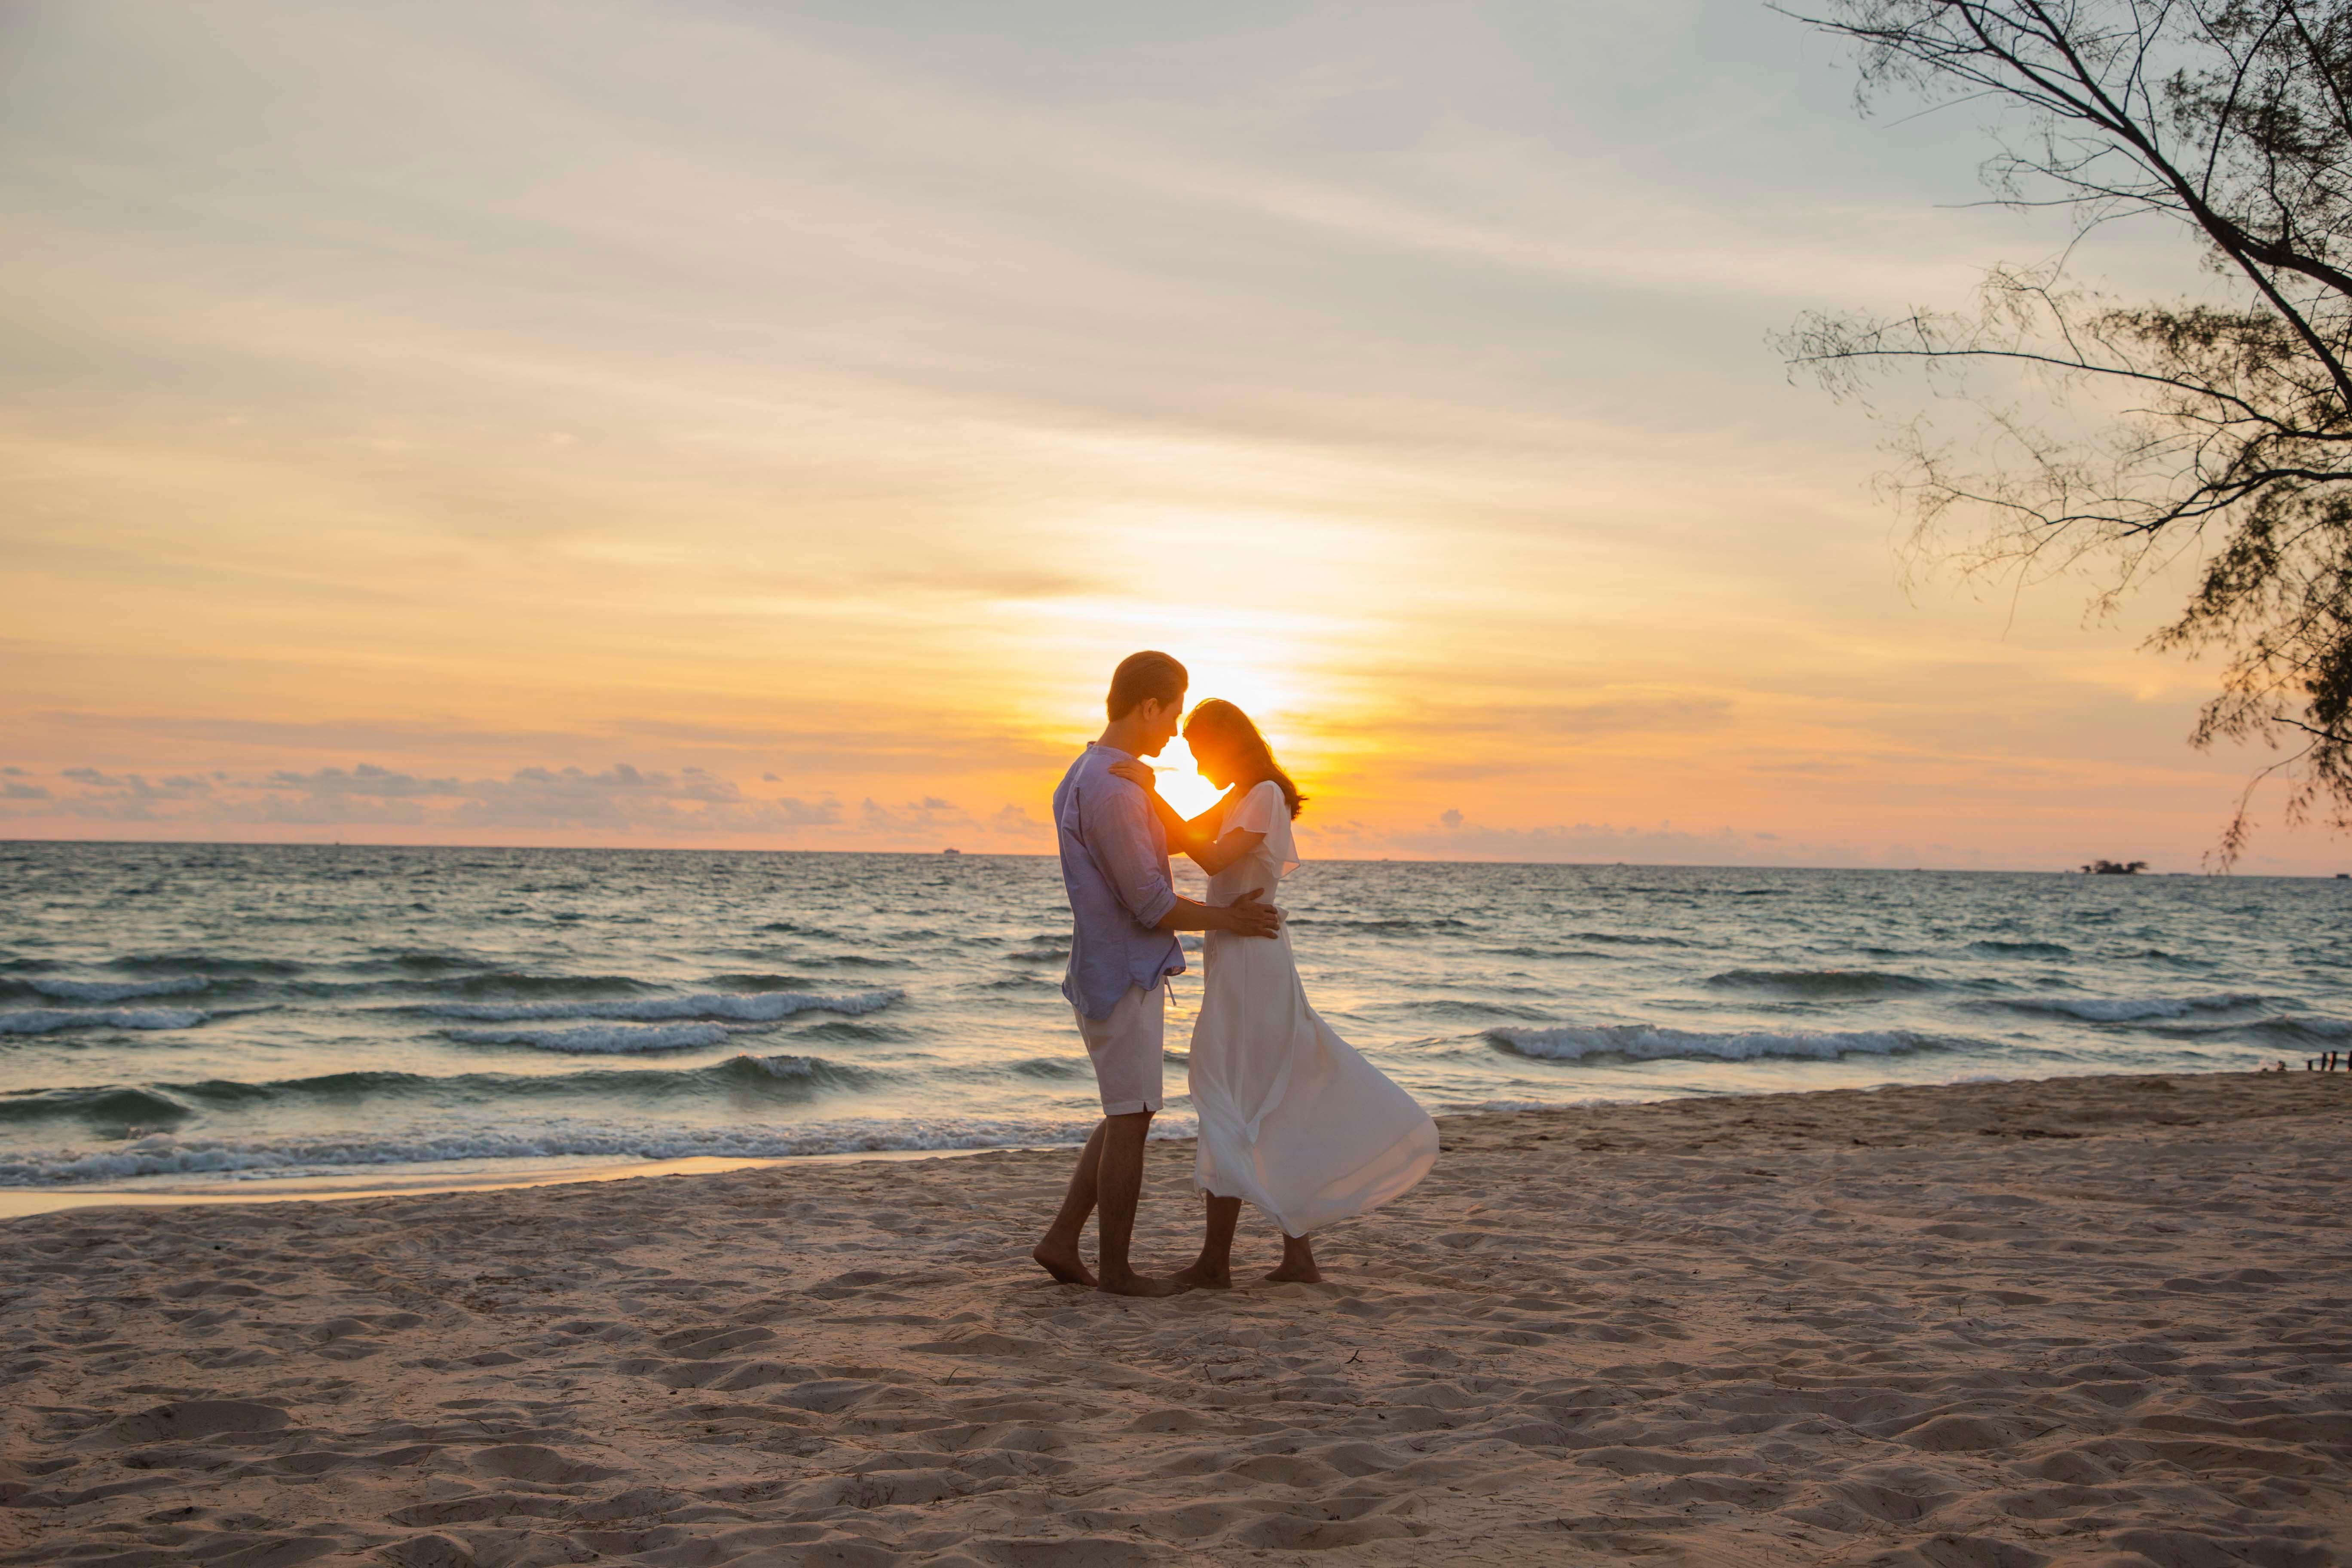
[1133,1284]
[1066,1267]
[1199,1276]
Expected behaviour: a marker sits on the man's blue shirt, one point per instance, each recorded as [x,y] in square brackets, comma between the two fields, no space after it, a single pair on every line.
[1115,866]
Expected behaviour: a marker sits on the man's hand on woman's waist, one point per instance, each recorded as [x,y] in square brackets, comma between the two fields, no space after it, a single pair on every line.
[1245,916]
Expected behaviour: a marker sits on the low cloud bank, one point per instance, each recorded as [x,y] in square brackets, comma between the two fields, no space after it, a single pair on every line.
[1454,837]
[623,800]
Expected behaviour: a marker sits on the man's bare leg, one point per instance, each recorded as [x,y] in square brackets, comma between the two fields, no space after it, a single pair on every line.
[1213,1269]
[1297,1263]
[1118,1185]
[1058,1253]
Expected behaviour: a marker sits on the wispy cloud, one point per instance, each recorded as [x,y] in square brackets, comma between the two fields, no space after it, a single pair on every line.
[623,799]
[1455,837]
[810,406]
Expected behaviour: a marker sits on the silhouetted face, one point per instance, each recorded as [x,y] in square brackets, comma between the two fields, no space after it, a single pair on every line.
[1215,757]
[1158,722]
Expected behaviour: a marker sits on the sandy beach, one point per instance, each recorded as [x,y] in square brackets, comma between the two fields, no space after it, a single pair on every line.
[2094,1320]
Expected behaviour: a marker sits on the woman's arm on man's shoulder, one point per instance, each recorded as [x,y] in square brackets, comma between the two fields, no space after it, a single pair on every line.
[1186,837]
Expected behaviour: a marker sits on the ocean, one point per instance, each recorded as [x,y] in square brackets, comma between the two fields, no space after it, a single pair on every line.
[272,1016]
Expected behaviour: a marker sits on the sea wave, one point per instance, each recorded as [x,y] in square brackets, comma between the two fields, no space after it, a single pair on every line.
[605,1039]
[166,1155]
[213,964]
[1394,924]
[115,1105]
[785,1067]
[1824,981]
[2289,1029]
[760,981]
[1643,1042]
[512,983]
[741,1006]
[105,989]
[2127,1009]
[160,1105]
[46,1020]
[2023,949]
[1524,951]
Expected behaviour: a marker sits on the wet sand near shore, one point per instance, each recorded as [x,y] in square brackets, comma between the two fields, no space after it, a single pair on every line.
[2089,1320]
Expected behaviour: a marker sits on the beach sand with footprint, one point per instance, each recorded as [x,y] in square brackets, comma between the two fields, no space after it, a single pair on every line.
[1979,1326]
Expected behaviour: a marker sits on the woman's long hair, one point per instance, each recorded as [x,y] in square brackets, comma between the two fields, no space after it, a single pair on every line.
[1222,719]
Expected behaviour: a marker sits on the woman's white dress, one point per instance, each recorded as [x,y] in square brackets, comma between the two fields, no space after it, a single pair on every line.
[1292,1118]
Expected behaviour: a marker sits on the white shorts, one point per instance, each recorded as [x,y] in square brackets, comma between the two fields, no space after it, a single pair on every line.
[1126,1048]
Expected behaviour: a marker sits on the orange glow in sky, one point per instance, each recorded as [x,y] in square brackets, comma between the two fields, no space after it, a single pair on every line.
[766,427]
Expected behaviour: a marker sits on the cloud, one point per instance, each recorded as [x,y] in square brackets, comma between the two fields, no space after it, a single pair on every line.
[1680,714]
[818,749]
[1014,821]
[791,811]
[619,780]
[622,801]
[366,779]
[623,798]
[121,797]
[1482,740]
[925,819]
[933,823]
[1454,837]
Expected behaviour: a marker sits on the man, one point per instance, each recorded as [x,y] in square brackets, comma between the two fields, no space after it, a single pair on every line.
[1124,914]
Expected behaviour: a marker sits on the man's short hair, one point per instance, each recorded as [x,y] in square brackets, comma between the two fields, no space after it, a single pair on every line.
[1143,675]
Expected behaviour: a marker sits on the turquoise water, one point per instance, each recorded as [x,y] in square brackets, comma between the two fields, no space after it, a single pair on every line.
[259,1013]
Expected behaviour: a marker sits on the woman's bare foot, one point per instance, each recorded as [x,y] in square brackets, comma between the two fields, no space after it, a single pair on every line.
[1066,1267]
[1297,1263]
[1200,1275]
[1130,1283]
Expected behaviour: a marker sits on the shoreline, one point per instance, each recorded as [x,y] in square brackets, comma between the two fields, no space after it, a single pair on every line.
[326,1185]
[2067,1321]
[25,1203]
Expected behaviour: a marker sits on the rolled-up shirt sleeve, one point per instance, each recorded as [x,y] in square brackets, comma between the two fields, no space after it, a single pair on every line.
[1119,830]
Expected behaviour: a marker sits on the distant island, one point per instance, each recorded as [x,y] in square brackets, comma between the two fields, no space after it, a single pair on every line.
[2115,867]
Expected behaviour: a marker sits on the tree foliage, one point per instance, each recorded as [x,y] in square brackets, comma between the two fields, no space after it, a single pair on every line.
[2220,425]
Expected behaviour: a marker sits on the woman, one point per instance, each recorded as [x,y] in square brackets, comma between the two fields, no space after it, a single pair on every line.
[1291,1118]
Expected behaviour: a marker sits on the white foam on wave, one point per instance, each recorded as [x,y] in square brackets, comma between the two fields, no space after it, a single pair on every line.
[118,990]
[604,1039]
[261,1159]
[782,1067]
[1642,1042]
[2128,1009]
[46,1020]
[743,1006]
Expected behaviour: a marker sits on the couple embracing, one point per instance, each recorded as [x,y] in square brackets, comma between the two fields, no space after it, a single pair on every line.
[1292,1119]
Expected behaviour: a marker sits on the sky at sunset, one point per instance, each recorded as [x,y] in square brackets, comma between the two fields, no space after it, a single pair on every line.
[765,425]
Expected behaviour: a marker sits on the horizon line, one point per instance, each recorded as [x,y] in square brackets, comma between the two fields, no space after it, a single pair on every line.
[1018,855]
